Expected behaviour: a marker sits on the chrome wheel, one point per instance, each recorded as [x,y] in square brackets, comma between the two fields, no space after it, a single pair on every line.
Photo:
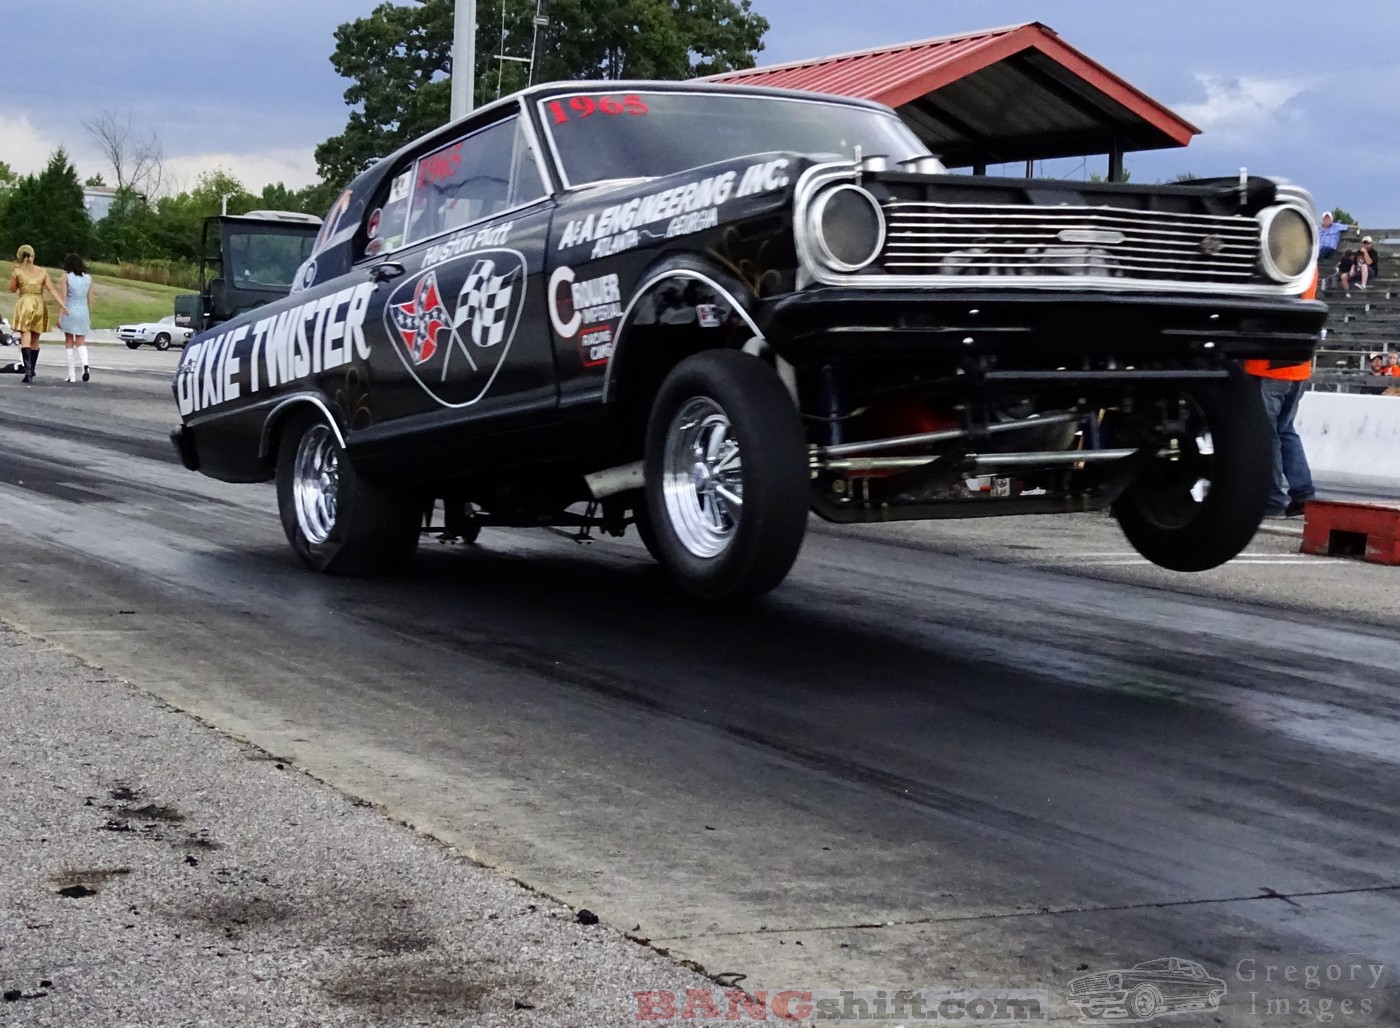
[702,478]
[315,483]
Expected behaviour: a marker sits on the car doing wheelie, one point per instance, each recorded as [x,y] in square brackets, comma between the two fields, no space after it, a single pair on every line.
[706,311]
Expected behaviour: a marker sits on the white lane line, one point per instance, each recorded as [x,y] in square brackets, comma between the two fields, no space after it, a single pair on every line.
[1241,561]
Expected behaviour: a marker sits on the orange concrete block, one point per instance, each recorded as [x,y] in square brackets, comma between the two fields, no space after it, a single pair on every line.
[1370,531]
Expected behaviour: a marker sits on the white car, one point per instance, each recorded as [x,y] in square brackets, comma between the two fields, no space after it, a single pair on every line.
[160,334]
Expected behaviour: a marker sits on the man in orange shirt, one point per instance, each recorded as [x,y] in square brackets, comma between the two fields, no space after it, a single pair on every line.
[1281,386]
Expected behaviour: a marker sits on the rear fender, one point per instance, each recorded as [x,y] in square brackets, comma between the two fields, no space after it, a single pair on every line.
[287,406]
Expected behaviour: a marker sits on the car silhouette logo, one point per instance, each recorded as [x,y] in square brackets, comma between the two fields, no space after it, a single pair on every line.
[1146,991]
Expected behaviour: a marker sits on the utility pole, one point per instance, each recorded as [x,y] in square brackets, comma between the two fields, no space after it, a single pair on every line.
[541,21]
[464,59]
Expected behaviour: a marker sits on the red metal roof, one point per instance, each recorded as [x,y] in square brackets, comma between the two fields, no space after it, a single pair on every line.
[1073,99]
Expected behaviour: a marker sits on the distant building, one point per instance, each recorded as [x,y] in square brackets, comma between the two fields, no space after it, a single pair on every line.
[97,201]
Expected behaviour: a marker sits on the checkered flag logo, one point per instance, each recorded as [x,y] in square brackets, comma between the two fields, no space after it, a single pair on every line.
[485,302]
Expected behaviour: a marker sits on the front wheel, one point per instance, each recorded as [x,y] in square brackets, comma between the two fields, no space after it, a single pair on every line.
[1144,1002]
[727,485]
[162,342]
[1200,506]
[132,344]
[335,520]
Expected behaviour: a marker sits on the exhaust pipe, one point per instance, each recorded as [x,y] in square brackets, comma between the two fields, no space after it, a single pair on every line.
[621,479]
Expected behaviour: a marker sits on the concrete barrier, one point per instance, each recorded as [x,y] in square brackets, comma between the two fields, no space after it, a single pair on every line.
[1350,438]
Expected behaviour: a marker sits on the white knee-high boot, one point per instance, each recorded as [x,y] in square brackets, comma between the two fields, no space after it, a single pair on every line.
[72,377]
[82,359]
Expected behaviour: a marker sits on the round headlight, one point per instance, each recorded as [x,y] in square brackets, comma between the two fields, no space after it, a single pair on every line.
[847,227]
[1289,243]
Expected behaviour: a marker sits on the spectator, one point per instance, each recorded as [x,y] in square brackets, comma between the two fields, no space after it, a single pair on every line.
[1329,237]
[1373,385]
[76,322]
[1365,267]
[1392,364]
[31,313]
[1344,268]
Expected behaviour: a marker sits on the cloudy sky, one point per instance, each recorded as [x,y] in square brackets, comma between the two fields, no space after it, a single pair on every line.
[1306,91]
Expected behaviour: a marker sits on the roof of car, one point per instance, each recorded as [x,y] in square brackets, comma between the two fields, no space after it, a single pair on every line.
[263,217]
[370,178]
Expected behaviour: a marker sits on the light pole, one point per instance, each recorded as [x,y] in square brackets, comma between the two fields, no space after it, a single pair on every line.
[464,59]
[541,22]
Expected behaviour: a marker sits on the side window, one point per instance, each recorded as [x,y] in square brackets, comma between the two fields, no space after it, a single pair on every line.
[387,225]
[480,175]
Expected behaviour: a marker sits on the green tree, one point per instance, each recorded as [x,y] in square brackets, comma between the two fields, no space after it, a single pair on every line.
[317,199]
[399,58]
[95,180]
[180,218]
[131,230]
[47,212]
[1343,217]
[313,199]
[277,197]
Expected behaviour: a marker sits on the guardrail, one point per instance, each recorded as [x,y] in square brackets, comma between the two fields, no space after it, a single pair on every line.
[1337,380]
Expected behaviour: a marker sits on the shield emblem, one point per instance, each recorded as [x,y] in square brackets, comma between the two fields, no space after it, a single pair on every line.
[453,325]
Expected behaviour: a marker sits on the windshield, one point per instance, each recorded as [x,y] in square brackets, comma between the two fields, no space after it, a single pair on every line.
[601,136]
[266,259]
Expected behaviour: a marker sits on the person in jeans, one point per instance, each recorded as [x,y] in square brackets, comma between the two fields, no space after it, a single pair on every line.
[1366,267]
[1281,386]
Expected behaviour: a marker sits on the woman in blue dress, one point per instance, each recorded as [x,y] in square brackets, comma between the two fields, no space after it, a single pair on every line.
[76,323]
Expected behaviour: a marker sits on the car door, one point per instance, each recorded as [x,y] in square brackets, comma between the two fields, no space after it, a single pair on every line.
[462,339]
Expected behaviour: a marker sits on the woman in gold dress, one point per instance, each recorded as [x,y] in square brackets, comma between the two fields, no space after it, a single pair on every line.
[31,313]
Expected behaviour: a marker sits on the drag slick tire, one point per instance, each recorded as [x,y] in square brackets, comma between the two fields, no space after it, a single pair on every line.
[335,520]
[1200,510]
[727,485]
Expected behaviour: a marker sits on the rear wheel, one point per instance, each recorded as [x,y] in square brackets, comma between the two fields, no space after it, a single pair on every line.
[162,342]
[727,485]
[335,520]
[1200,507]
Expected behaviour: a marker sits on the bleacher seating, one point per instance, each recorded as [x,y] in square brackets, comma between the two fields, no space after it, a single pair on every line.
[1367,321]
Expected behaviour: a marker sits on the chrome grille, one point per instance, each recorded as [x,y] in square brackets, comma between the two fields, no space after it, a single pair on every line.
[1087,242]
[1089,983]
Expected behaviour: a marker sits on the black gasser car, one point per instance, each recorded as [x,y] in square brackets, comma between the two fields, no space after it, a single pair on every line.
[706,311]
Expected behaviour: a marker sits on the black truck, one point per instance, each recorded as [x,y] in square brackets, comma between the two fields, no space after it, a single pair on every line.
[245,261]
